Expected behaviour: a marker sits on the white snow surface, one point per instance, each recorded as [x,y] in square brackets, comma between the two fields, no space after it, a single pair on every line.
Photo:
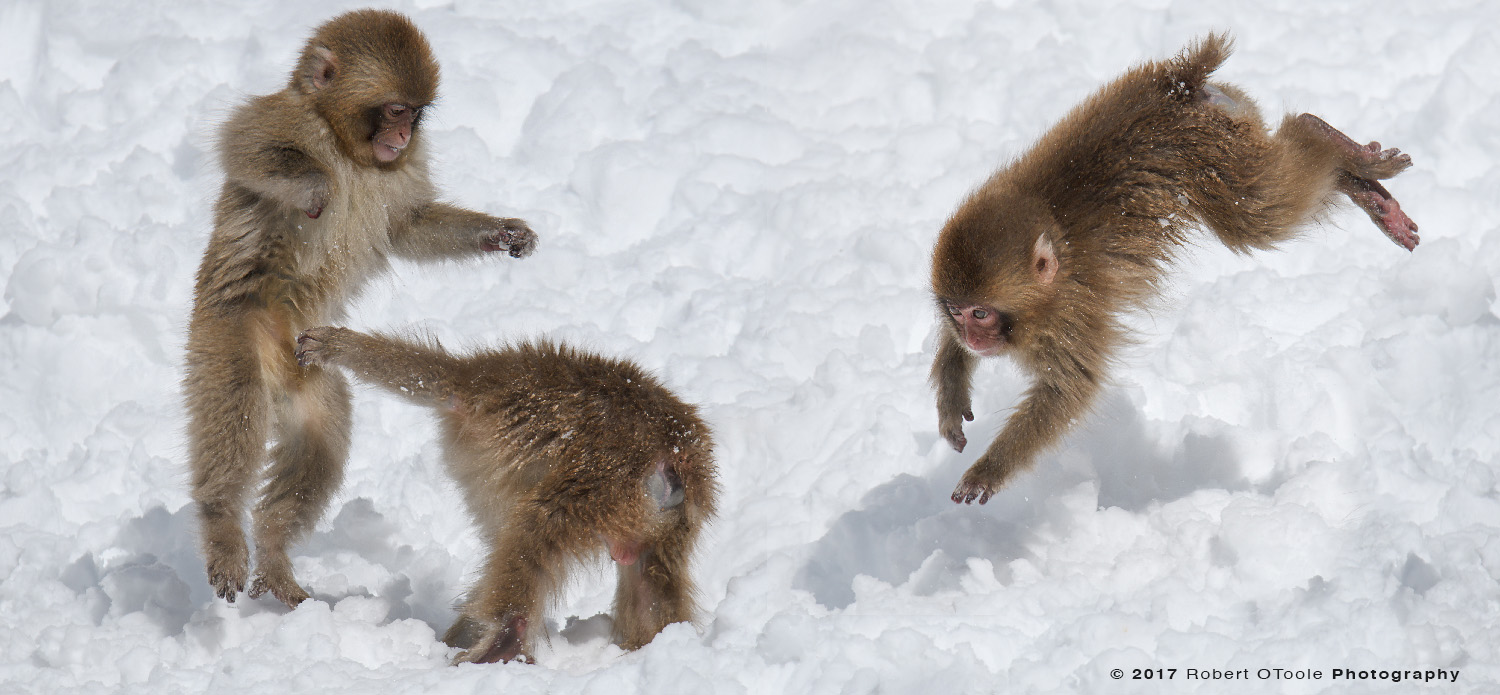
[1293,468]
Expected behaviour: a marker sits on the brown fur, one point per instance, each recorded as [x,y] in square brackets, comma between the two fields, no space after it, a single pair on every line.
[305,217]
[1042,258]
[557,452]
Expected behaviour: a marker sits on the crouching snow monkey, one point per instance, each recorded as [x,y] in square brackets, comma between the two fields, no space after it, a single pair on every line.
[561,454]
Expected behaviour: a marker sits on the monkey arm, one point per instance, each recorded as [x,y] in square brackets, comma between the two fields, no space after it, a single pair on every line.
[422,374]
[1040,420]
[952,373]
[440,231]
[275,168]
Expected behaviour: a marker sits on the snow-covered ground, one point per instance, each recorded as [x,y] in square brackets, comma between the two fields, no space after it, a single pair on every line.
[1294,469]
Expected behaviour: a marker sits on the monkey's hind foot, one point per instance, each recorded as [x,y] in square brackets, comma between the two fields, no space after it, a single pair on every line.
[1361,161]
[227,575]
[1382,209]
[500,641]
[279,584]
[1363,167]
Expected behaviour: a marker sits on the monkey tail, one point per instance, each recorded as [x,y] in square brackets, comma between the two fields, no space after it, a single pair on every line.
[1187,73]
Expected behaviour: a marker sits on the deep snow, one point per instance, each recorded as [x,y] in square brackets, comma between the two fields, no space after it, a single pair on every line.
[1295,468]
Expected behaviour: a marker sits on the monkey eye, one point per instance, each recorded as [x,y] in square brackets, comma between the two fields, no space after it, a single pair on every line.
[395,110]
[981,314]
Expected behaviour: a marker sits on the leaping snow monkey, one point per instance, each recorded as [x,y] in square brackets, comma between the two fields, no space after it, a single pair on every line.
[1039,261]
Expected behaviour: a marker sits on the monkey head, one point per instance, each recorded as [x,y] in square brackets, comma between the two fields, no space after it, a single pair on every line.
[993,270]
[369,74]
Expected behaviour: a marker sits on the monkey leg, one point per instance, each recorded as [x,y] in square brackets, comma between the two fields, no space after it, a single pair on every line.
[440,231]
[952,371]
[527,563]
[307,465]
[656,590]
[1360,169]
[227,406]
[1039,421]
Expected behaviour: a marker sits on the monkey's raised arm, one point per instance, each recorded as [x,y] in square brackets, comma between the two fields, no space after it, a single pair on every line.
[1039,421]
[440,231]
[952,373]
[422,374]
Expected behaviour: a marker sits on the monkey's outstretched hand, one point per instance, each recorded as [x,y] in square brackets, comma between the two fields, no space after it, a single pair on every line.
[980,482]
[513,236]
[316,346]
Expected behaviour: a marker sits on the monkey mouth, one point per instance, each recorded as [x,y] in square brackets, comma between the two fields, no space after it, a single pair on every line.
[987,349]
[386,153]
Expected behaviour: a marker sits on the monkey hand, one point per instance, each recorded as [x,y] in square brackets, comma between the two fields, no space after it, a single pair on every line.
[512,235]
[318,346]
[952,427]
[315,197]
[981,481]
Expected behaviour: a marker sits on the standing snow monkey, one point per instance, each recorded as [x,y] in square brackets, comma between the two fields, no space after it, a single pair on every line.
[561,455]
[1040,261]
[324,181]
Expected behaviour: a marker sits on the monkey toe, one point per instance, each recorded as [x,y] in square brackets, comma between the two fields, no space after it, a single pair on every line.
[1382,164]
[227,575]
[980,482]
[314,345]
[1392,162]
[285,589]
[503,642]
[227,587]
[1387,214]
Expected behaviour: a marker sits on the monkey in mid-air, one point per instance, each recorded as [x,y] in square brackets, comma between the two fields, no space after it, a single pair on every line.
[324,182]
[1040,260]
[560,454]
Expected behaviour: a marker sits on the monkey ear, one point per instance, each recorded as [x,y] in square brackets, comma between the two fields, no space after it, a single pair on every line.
[1044,260]
[324,69]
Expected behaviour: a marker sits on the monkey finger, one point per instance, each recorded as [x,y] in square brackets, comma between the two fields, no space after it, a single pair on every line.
[514,237]
[969,491]
[308,351]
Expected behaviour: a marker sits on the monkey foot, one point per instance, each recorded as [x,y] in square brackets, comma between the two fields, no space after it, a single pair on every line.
[227,585]
[1368,161]
[502,643]
[1383,210]
[285,589]
[227,570]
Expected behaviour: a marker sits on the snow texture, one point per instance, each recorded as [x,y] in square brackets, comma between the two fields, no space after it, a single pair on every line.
[1294,468]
